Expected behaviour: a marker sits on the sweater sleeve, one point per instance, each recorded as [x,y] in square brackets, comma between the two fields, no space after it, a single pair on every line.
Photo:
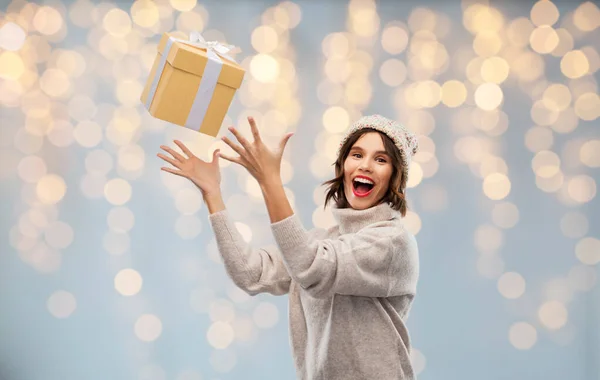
[255,271]
[378,261]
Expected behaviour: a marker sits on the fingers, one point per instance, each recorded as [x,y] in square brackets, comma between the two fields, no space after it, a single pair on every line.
[233,146]
[240,138]
[254,129]
[237,160]
[169,160]
[184,148]
[173,153]
[176,172]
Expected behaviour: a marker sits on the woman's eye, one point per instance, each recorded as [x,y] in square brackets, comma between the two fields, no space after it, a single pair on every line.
[356,154]
[382,160]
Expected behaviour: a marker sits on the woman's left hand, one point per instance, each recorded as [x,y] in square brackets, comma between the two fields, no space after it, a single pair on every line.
[261,162]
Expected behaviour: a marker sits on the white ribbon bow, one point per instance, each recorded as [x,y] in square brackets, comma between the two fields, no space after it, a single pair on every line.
[215,46]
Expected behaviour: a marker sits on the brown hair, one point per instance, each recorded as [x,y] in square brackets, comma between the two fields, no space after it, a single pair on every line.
[395,194]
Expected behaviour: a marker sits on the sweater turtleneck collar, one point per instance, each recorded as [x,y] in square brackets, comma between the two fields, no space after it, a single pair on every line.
[351,220]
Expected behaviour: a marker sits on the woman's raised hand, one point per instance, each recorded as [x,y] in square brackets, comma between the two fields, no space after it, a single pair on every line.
[205,175]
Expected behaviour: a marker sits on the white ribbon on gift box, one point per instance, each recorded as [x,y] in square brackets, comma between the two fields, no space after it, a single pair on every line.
[214,50]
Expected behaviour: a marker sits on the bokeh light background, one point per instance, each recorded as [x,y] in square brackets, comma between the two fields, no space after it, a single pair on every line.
[108,266]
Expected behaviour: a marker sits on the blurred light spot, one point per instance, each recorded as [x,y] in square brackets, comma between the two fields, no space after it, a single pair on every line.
[12,36]
[117,22]
[192,20]
[47,20]
[128,282]
[265,315]
[566,121]
[60,133]
[188,200]
[551,184]
[221,310]
[120,219]
[412,222]
[582,188]
[59,235]
[522,335]
[336,119]
[394,39]
[495,70]
[82,107]
[454,93]
[128,92]
[587,16]
[117,191]
[32,168]
[220,335]
[183,5]
[415,175]
[511,285]
[487,43]
[505,215]
[51,188]
[496,186]
[587,106]
[589,153]
[264,39]
[244,230]
[544,39]
[223,361]
[587,251]
[88,134]
[392,72]
[488,96]
[553,315]
[144,13]
[557,96]
[148,327]
[491,164]
[546,164]
[61,304]
[418,360]
[188,226]
[71,62]
[323,218]
[582,278]
[488,239]
[544,12]
[519,31]
[11,65]
[244,330]
[264,68]
[574,64]
[99,162]
[574,224]
[565,43]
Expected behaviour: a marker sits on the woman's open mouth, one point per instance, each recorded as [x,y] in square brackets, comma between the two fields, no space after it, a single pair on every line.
[362,187]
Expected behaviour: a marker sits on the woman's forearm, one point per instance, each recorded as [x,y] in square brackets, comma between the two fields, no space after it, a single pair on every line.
[277,203]
[214,202]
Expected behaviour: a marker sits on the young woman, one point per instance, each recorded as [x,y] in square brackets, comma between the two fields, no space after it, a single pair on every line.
[350,286]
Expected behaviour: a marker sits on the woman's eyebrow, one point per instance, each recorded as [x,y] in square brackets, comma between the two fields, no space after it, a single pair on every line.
[362,150]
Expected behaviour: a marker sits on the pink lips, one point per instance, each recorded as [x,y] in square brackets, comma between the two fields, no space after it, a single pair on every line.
[362,195]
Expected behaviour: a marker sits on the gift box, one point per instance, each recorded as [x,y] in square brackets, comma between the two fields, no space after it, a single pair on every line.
[192,83]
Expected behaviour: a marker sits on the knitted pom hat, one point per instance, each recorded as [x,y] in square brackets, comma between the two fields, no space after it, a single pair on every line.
[405,140]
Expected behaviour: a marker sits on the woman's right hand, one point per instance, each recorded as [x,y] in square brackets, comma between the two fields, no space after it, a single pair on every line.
[205,175]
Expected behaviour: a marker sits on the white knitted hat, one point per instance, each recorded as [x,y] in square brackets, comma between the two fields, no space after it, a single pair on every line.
[405,140]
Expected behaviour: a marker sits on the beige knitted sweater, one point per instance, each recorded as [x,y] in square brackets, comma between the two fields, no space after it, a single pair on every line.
[350,289]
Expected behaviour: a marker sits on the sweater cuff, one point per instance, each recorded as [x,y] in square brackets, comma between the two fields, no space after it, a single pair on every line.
[219,220]
[289,233]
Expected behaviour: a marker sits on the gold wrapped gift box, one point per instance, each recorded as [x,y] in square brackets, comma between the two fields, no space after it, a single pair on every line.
[175,91]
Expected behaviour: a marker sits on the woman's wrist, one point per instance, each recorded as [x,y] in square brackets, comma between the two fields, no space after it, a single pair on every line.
[214,201]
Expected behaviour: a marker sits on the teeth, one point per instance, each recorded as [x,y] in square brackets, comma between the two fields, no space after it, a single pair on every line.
[363,180]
